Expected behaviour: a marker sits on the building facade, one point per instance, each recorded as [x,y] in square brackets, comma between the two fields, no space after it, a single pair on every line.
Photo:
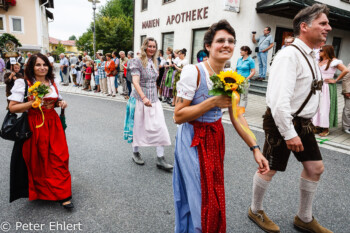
[28,21]
[69,46]
[182,24]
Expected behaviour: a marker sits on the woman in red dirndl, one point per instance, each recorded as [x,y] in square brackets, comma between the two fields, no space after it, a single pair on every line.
[45,154]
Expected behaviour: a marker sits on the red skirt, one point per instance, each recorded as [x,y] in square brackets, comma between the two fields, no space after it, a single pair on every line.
[46,156]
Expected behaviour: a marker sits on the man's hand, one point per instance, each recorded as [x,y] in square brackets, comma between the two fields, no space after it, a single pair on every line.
[295,144]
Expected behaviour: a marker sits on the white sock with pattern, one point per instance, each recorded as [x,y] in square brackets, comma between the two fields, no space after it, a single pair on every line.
[307,193]
[259,188]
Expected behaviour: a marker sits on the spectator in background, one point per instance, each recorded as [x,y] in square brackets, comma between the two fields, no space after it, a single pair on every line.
[122,62]
[179,66]
[115,72]
[73,60]
[327,115]
[288,41]
[88,72]
[265,43]
[127,72]
[102,74]
[29,54]
[51,59]
[64,64]
[109,68]
[161,63]
[79,68]
[346,110]
[20,60]
[246,68]
[86,56]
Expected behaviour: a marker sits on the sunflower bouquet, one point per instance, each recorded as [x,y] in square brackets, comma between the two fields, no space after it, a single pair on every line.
[38,91]
[232,84]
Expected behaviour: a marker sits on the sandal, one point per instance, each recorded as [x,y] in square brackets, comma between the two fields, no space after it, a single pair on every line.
[324,134]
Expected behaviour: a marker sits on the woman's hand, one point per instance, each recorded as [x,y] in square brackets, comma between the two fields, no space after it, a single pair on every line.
[147,102]
[330,81]
[62,104]
[262,162]
[222,101]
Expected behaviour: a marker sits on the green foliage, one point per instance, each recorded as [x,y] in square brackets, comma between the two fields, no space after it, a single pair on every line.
[72,37]
[42,90]
[114,33]
[114,28]
[85,42]
[6,37]
[60,49]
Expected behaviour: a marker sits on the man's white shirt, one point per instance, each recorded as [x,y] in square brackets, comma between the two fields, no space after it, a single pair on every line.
[288,86]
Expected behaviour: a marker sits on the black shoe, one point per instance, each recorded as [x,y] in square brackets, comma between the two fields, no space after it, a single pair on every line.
[69,206]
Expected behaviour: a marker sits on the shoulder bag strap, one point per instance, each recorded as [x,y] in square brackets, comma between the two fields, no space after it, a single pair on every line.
[313,78]
[25,91]
[198,76]
[260,42]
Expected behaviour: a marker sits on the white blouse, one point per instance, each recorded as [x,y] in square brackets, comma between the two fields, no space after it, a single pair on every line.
[187,85]
[182,62]
[17,91]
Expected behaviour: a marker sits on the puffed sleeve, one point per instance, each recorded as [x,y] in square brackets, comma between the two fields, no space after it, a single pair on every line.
[187,86]
[336,62]
[17,91]
[136,67]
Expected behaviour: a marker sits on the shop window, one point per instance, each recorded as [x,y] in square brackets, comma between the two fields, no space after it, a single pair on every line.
[144,5]
[16,24]
[143,38]
[167,40]
[197,43]
[2,23]
[336,44]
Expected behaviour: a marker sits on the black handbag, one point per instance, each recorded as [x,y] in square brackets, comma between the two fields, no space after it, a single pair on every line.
[16,129]
[256,49]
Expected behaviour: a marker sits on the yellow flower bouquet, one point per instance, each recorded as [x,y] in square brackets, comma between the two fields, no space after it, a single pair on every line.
[38,91]
[232,84]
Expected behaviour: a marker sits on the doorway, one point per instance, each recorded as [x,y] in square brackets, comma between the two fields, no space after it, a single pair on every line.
[281,34]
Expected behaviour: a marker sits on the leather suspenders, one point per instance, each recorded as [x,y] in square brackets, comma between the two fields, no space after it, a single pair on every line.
[316,85]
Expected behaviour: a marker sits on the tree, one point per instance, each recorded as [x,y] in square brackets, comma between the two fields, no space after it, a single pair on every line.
[73,37]
[85,42]
[60,49]
[116,8]
[114,33]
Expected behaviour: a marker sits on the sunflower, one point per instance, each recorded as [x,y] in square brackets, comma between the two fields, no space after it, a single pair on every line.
[230,79]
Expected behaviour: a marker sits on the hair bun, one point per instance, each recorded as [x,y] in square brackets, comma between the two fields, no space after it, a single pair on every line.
[185,50]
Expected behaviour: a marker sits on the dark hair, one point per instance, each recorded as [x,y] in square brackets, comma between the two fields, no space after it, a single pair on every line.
[109,55]
[183,51]
[328,51]
[307,15]
[221,25]
[100,54]
[80,57]
[104,58]
[160,51]
[268,28]
[115,53]
[246,49]
[29,71]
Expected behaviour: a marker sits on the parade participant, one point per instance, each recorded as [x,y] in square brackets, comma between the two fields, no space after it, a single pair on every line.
[10,78]
[200,139]
[246,68]
[346,110]
[161,63]
[45,153]
[327,115]
[109,68]
[51,59]
[179,66]
[144,120]
[167,90]
[127,73]
[292,101]
[265,43]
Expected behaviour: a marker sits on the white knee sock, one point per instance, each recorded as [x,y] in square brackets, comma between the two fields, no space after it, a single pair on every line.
[160,151]
[135,149]
[307,193]
[259,187]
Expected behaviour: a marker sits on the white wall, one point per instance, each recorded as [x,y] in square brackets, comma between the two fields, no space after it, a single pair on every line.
[244,22]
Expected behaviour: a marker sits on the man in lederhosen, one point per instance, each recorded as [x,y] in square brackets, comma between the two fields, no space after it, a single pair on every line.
[292,98]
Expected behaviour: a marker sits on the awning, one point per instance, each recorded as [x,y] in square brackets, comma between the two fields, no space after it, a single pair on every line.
[49,4]
[338,18]
[29,48]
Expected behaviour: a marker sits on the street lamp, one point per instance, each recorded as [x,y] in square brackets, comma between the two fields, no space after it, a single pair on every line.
[94,9]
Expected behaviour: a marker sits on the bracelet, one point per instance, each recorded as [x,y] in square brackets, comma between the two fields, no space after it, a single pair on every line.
[143,97]
[254,147]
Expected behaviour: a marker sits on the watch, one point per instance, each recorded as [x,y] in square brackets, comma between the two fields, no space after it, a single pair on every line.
[254,147]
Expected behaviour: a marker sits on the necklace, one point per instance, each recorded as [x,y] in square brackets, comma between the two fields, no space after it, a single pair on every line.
[211,67]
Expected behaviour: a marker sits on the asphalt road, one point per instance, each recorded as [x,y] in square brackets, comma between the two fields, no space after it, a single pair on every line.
[112,194]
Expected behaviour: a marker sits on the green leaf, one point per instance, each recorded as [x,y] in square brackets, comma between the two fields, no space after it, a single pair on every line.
[217,92]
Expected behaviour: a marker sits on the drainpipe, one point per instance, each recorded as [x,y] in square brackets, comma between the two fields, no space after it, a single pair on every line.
[41,25]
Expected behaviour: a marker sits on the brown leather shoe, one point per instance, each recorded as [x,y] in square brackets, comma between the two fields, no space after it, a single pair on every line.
[263,221]
[313,226]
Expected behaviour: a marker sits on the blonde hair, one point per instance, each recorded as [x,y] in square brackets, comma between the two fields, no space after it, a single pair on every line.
[144,59]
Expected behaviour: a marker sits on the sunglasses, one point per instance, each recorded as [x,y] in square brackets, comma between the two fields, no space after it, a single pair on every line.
[321,50]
